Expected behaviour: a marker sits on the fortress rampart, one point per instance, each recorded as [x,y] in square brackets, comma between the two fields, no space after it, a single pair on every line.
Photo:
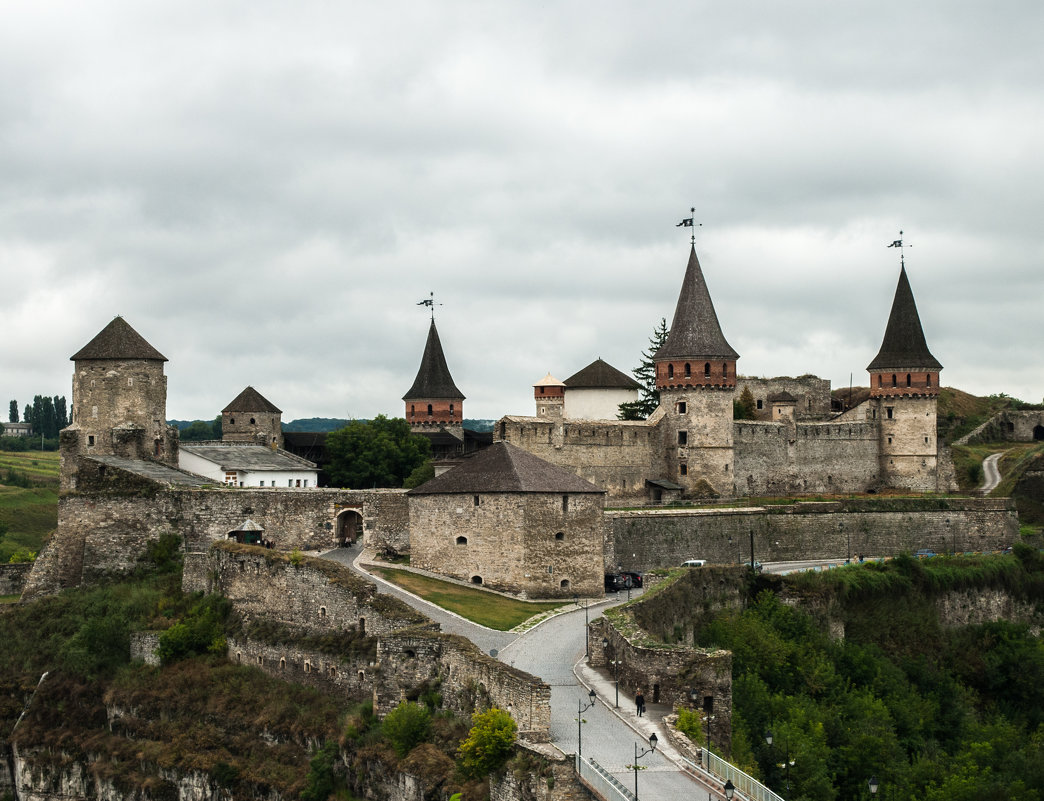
[812,530]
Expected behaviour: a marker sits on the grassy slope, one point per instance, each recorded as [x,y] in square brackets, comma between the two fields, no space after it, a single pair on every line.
[485,608]
[31,514]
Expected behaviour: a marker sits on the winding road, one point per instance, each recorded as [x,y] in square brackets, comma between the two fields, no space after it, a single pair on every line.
[554,651]
[990,473]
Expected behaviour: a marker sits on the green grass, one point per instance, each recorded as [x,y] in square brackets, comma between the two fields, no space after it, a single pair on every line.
[30,516]
[9,599]
[40,468]
[478,606]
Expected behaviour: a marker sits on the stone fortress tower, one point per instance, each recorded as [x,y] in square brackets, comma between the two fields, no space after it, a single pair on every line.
[253,419]
[119,402]
[549,395]
[434,402]
[696,377]
[904,390]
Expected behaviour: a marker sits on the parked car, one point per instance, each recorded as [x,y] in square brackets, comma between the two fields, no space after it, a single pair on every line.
[925,553]
[614,582]
[633,576]
[694,563]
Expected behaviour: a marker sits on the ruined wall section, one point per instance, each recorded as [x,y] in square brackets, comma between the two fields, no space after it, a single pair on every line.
[468,679]
[614,455]
[811,530]
[782,459]
[13,577]
[315,595]
[336,676]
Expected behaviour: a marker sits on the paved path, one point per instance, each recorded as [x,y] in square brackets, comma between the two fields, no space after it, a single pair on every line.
[554,651]
[990,473]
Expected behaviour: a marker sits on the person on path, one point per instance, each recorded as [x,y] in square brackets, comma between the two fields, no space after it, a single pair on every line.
[639,702]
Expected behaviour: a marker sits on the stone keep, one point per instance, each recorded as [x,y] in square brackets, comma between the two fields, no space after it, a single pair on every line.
[119,402]
[510,521]
[252,418]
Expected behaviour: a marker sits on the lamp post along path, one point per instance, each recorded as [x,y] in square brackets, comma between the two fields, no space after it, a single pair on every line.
[580,709]
[638,755]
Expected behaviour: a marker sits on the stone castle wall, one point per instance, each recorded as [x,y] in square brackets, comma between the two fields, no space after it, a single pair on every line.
[827,530]
[811,392]
[525,543]
[314,595]
[782,459]
[468,679]
[612,454]
[108,533]
[333,675]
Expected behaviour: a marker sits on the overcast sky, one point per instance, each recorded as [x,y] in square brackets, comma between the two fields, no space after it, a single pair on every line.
[266,190]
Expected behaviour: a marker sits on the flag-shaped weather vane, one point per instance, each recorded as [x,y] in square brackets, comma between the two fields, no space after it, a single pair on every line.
[430,303]
[690,222]
[898,243]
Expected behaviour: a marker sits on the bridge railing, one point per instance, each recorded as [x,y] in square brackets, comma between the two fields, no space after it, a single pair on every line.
[601,782]
[746,785]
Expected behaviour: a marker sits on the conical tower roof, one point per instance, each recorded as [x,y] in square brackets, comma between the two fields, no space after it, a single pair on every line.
[600,374]
[250,400]
[433,378]
[695,331]
[118,341]
[503,467]
[904,345]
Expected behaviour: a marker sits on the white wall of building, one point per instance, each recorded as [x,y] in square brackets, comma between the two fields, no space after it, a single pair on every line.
[596,404]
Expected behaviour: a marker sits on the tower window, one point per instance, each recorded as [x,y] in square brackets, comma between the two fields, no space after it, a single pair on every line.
[476,500]
[683,469]
[706,370]
[683,437]
[894,384]
[907,379]
[451,408]
[565,503]
[253,422]
[928,380]
[880,380]
[413,410]
[429,410]
[90,439]
[559,535]
[761,403]
[462,540]
[888,412]
[725,370]
[232,421]
[688,370]
[670,371]
[681,407]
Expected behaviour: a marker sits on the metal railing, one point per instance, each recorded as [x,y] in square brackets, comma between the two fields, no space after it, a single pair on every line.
[601,782]
[746,785]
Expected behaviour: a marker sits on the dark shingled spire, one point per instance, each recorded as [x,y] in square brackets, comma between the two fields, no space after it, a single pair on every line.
[904,346]
[502,467]
[433,378]
[695,331]
[118,341]
[250,400]
[600,375]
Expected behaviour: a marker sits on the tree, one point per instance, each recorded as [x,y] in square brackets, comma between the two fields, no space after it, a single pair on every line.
[12,415]
[406,727]
[743,409]
[378,453]
[488,745]
[645,374]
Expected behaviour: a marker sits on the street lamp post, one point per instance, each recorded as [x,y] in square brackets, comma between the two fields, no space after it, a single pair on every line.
[638,755]
[709,719]
[873,784]
[616,671]
[587,624]
[580,709]
[787,762]
[730,789]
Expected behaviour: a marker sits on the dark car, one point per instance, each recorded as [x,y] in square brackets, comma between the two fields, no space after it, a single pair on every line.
[614,582]
[634,576]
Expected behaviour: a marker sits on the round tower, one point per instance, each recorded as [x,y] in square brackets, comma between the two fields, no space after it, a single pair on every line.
[696,377]
[434,400]
[252,418]
[549,394]
[119,402]
[904,389]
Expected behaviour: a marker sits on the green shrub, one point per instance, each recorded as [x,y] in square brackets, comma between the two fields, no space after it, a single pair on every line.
[488,745]
[164,554]
[406,727]
[690,724]
[321,778]
[22,555]
[201,631]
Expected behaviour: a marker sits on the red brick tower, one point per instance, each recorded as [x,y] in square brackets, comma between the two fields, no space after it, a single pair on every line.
[434,400]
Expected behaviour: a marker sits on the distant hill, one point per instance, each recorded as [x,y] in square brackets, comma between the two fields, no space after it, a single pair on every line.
[316,424]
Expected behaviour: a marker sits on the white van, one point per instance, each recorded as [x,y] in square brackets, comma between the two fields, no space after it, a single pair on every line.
[694,563]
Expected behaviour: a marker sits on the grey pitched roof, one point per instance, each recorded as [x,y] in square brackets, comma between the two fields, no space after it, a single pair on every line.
[695,331]
[600,375]
[252,458]
[904,345]
[433,377]
[118,341]
[502,467]
[250,400]
[154,471]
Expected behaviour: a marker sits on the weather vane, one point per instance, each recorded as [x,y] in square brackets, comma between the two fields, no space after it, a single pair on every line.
[430,303]
[898,243]
[688,222]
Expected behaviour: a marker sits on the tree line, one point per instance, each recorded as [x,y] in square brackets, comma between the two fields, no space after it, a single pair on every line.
[46,414]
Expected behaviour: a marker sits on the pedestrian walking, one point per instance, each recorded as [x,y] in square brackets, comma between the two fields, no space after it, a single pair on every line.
[639,703]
